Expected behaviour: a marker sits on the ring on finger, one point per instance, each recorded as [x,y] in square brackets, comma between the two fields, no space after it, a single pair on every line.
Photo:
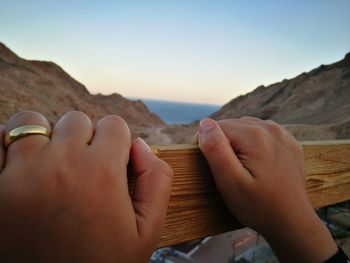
[24,131]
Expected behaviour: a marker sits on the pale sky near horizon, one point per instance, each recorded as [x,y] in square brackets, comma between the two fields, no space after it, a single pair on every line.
[183,50]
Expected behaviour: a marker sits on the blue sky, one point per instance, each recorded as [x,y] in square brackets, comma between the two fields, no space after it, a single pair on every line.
[195,51]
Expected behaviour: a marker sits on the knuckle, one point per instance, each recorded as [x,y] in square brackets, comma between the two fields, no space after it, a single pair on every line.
[26,117]
[257,132]
[258,136]
[227,124]
[114,120]
[274,128]
[76,115]
[271,122]
[250,118]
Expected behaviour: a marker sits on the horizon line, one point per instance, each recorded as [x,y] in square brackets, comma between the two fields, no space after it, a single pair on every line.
[173,101]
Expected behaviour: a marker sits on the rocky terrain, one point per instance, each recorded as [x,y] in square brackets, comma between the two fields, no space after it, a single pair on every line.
[313,105]
[45,87]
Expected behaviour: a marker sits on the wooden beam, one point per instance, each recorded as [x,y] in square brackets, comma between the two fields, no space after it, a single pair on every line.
[196,209]
[327,168]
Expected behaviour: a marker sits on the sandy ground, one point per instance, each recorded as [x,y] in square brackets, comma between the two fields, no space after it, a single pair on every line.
[168,134]
[156,136]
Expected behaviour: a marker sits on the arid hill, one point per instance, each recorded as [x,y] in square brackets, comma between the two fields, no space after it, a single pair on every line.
[314,105]
[46,88]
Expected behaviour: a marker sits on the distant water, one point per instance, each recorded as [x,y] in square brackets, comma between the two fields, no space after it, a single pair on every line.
[180,112]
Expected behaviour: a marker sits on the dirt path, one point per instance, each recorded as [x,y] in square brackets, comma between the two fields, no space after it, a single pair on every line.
[157,136]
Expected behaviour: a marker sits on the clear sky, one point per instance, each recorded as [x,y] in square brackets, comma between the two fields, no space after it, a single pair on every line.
[184,50]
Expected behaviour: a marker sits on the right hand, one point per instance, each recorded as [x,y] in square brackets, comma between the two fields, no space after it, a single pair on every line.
[259,169]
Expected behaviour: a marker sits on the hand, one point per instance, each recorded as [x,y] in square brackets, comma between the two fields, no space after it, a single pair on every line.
[259,169]
[66,199]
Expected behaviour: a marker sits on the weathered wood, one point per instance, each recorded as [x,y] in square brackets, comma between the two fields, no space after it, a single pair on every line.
[196,209]
[327,168]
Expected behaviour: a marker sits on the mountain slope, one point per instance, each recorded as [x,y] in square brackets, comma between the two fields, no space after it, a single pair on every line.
[319,97]
[46,88]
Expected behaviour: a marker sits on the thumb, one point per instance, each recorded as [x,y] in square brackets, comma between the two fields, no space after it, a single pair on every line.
[228,171]
[152,190]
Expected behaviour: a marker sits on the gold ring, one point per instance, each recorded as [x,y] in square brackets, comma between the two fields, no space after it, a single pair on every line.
[24,131]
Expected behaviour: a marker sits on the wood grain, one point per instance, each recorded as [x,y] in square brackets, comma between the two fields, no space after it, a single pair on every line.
[196,209]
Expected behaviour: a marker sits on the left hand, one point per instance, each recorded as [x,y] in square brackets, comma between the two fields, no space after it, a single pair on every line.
[66,198]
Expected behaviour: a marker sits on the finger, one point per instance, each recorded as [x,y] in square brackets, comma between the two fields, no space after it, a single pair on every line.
[244,135]
[74,128]
[28,145]
[152,190]
[223,162]
[287,138]
[2,148]
[113,139]
[281,128]
[250,119]
[248,137]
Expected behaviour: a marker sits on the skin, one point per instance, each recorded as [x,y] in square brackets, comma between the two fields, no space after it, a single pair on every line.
[66,199]
[258,168]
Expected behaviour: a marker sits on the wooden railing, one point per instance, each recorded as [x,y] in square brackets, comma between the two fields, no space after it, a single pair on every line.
[196,209]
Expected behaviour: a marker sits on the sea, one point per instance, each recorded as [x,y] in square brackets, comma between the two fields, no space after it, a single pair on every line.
[173,112]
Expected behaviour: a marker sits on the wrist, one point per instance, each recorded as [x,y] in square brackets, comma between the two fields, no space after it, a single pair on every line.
[302,239]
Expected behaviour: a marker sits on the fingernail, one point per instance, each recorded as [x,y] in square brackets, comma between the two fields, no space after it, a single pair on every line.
[143,145]
[205,125]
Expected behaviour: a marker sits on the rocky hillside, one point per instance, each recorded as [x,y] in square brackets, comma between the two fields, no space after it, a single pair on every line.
[45,87]
[314,105]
